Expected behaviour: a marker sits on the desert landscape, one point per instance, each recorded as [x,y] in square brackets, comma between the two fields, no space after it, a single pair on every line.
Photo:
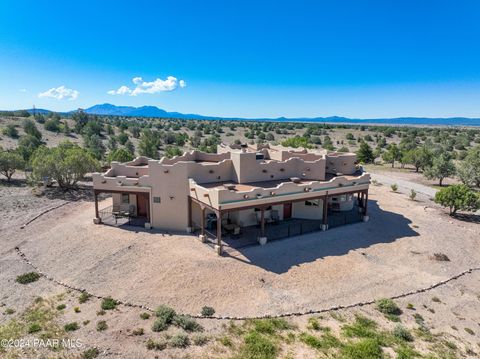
[324,294]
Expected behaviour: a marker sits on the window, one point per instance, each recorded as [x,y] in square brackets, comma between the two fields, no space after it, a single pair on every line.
[156,200]
[311,203]
[259,156]
[125,198]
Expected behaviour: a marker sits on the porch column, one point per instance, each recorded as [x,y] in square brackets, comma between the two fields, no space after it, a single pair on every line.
[97,219]
[219,232]
[365,217]
[202,222]
[262,222]
[325,213]
[190,225]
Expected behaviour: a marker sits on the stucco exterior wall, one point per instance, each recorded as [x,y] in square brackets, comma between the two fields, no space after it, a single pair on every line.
[300,210]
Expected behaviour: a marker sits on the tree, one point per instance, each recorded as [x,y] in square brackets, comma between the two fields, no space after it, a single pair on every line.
[80,118]
[10,131]
[392,154]
[442,167]
[365,154]
[95,145]
[67,164]
[148,145]
[458,197]
[420,157]
[120,155]
[296,142]
[129,146]
[27,145]
[10,162]
[31,129]
[52,125]
[469,169]
[172,151]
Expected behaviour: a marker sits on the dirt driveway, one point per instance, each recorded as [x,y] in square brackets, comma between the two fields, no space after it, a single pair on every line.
[384,257]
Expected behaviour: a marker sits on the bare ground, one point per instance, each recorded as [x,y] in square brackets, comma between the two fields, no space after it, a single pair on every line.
[386,256]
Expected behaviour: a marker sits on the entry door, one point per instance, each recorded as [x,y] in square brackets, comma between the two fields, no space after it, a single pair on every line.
[287,210]
[142,205]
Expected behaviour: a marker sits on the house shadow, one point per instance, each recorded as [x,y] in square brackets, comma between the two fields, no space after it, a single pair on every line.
[281,255]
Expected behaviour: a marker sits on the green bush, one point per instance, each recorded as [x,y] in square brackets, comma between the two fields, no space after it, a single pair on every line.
[388,306]
[187,323]
[102,325]
[199,339]
[402,334]
[159,325]
[208,311]
[270,325]
[394,187]
[145,316]
[84,297]
[109,303]
[138,331]
[90,353]
[34,327]
[27,278]
[365,348]
[61,306]
[166,313]
[326,341]
[257,346]
[156,345]
[70,327]
[179,340]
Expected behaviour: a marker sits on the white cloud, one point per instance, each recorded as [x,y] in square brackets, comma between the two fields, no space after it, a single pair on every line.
[158,85]
[60,93]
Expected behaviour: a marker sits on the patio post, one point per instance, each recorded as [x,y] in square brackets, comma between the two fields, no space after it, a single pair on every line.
[190,226]
[97,219]
[218,247]
[325,213]
[365,203]
[262,222]
[202,222]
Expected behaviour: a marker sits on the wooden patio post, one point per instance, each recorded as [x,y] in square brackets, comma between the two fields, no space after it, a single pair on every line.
[262,222]
[190,213]
[202,222]
[219,232]
[325,212]
[96,204]
[365,203]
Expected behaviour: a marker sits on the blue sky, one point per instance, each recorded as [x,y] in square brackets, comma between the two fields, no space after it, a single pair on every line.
[359,59]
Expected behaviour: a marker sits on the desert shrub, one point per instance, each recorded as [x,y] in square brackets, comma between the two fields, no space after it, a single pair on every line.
[166,313]
[313,324]
[406,352]
[365,348]
[362,327]
[76,310]
[102,325]
[225,341]
[257,346]
[410,306]
[187,323]
[159,325]
[101,312]
[418,319]
[70,327]
[402,333]
[326,341]
[84,297]
[61,306]
[179,340]
[469,331]
[270,325]
[156,345]
[10,162]
[145,316]
[436,300]
[458,198]
[394,187]
[388,306]
[10,131]
[109,303]
[413,195]
[86,322]
[138,331]
[34,327]
[90,353]
[199,339]
[9,311]
[27,278]
[441,257]
[208,311]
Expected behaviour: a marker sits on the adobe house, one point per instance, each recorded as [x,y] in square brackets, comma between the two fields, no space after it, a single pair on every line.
[239,188]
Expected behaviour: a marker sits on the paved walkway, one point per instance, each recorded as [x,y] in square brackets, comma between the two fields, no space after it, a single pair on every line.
[404,185]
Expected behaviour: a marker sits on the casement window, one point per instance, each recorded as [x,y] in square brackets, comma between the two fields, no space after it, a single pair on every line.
[156,200]
[311,203]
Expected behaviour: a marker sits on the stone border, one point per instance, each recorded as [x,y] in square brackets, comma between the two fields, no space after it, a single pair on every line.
[42,213]
[317,311]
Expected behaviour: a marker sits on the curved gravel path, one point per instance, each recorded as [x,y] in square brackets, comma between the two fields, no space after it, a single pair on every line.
[404,186]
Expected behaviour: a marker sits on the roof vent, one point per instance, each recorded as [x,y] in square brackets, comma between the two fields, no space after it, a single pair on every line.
[295,179]
[229,186]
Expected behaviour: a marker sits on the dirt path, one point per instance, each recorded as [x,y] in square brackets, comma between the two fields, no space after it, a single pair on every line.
[404,185]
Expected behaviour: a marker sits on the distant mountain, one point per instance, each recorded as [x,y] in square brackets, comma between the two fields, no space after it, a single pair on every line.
[107,109]
[144,111]
[39,111]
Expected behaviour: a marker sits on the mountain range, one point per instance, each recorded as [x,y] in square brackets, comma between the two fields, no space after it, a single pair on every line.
[107,109]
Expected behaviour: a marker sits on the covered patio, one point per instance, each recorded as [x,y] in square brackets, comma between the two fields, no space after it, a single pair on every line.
[128,208]
[221,229]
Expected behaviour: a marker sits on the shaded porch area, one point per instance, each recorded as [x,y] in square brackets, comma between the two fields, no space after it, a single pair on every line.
[128,209]
[250,225]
